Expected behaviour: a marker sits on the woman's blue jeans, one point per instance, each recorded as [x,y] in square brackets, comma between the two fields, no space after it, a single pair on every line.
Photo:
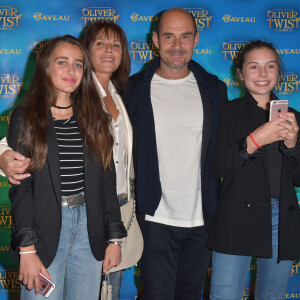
[229,272]
[74,270]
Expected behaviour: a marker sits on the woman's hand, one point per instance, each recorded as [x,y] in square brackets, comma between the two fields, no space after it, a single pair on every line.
[30,267]
[268,133]
[291,129]
[112,257]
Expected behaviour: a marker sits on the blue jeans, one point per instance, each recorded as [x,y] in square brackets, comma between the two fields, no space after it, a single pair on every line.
[115,281]
[115,277]
[74,270]
[229,272]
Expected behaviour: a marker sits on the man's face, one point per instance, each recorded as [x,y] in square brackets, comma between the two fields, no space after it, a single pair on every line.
[176,40]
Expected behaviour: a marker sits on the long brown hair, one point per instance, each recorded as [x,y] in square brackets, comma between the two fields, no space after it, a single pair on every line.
[120,76]
[91,118]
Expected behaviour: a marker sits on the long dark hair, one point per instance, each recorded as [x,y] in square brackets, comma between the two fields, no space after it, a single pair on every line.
[120,76]
[92,120]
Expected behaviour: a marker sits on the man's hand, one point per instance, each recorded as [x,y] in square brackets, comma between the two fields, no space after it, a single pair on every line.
[14,165]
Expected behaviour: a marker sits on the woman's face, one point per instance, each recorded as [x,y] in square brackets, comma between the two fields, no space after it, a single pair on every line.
[66,68]
[260,72]
[105,54]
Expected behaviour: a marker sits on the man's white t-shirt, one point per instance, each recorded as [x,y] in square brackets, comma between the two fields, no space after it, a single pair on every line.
[178,117]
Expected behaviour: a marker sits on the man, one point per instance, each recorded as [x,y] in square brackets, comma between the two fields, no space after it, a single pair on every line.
[174,106]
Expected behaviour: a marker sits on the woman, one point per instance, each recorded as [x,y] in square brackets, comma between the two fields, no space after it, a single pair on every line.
[108,52]
[110,59]
[258,213]
[67,211]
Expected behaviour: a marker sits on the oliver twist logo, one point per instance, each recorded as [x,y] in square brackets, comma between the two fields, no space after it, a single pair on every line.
[9,17]
[283,19]
[232,49]
[295,270]
[92,14]
[10,85]
[37,48]
[44,17]
[202,17]
[288,84]
[140,18]
[229,18]
[4,118]
[9,280]
[5,216]
[142,51]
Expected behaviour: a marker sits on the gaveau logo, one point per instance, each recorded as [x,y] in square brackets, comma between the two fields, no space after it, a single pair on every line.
[92,14]
[135,17]
[9,17]
[199,51]
[230,82]
[10,85]
[228,19]
[284,20]
[288,51]
[8,51]
[43,17]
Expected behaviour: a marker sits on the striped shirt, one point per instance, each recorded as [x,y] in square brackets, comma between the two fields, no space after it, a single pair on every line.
[70,156]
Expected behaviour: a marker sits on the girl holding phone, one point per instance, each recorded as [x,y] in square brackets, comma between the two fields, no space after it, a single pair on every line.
[259,161]
[67,211]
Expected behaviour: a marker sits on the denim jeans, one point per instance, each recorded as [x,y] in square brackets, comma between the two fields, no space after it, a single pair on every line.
[74,270]
[229,272]
[115,277]
[115,281]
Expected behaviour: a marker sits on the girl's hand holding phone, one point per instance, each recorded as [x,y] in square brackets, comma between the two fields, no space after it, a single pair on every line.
[30,267]
[290,130]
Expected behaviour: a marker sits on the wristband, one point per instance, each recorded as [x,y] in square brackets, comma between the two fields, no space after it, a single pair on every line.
[120,243]
[28,252]
[253,140]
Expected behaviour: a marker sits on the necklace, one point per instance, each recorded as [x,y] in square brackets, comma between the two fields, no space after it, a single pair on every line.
[62,107]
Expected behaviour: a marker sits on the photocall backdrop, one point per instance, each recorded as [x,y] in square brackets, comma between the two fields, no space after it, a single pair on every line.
[224,26]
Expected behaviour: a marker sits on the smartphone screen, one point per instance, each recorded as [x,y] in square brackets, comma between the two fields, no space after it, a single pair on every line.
[277,107]
[47,286]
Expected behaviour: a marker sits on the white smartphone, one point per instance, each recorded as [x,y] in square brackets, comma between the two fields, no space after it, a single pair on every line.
[277,107]
[47,286]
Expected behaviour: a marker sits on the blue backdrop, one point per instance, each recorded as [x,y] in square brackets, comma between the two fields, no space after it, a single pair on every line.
[224,26]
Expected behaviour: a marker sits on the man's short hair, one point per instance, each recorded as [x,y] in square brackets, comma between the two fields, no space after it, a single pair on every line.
[160,17]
